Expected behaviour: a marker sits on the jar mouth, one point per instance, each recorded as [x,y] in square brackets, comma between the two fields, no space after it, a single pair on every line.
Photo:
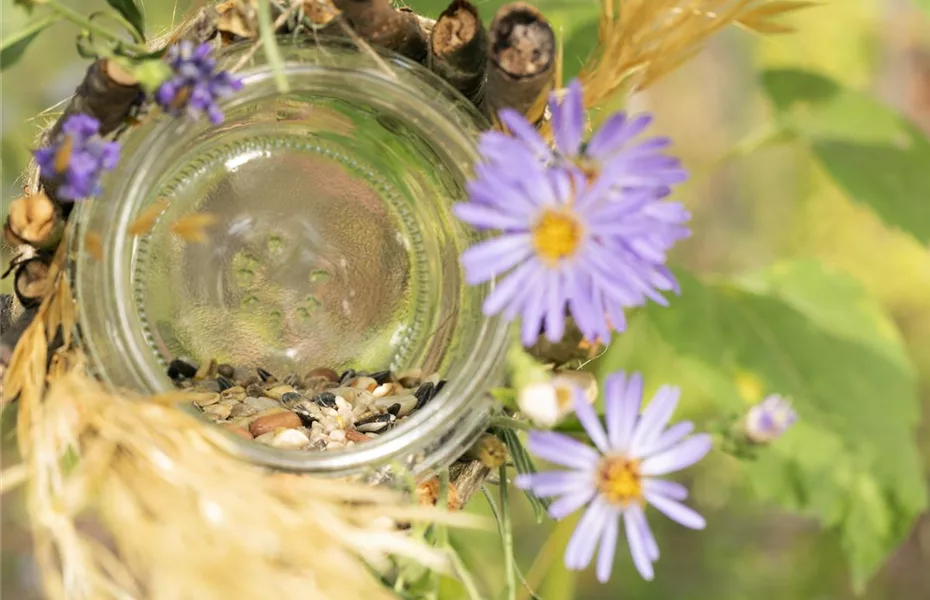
[134,301]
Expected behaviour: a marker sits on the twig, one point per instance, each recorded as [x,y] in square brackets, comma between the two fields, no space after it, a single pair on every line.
[522,60]
[378,22]
[458,49]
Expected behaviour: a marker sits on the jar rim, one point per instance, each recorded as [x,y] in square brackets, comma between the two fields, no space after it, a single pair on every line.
[462,403]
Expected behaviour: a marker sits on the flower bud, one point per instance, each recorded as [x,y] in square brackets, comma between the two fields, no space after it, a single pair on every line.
[547,403]
[768,420]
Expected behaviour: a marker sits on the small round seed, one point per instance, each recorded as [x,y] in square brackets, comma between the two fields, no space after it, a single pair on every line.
[179,368]
[226,370]
[424,394]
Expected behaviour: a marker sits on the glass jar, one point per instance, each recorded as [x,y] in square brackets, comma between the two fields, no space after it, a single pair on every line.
[332,244]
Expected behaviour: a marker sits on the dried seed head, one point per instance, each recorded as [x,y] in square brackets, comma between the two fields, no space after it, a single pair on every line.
[33,219]
[428,494]
[32,282]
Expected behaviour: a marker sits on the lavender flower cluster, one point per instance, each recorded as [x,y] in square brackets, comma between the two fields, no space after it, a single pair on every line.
[196,84]
[77,157]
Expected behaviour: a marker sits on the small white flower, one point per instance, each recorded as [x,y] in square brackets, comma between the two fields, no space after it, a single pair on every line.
[547,403]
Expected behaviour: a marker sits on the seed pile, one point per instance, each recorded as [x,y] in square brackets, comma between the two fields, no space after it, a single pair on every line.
[322,410]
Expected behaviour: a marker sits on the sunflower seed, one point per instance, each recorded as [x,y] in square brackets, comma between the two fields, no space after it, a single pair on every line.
[376,423]
[424,394]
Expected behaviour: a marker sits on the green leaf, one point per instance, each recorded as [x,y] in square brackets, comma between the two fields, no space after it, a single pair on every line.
[14,45]
[130,12]
[876,156]
[523,463]
[851,461]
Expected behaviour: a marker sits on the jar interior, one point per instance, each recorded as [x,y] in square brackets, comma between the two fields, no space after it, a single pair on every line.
[312,229]
[329,244]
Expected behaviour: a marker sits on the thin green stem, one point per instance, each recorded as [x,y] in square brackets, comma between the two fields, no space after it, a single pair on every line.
[266,31]
[70,14]
[500,531]
[508,423]
[464,576]
[507,537]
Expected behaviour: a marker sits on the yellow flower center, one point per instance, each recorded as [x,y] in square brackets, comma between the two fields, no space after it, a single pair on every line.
[556,235]
[619,480]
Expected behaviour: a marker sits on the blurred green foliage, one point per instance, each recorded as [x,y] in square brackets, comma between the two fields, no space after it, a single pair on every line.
[808,275]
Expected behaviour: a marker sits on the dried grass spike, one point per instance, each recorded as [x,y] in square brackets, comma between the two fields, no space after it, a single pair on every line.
[640,41]
[760,19]
[31,282]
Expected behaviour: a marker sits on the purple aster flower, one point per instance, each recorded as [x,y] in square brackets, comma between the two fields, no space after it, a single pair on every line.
[568,243]
[770,419]
[76,158]
[618,479]
[611,155]
[195,86]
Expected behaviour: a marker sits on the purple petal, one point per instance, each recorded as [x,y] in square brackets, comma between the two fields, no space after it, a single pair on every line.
[571,502]
[639,518]
[614,385]
[616,134]
[676,511]
[524,131]
[555,307]
[678,457]
[580,548]
[533,312]
[568,119]
[655,418]
[489,258]
[663,487]
[630,400]
[669,438]
[563,450]
[605,135]
[608,548]
[638,547]
[512,288]
[555,483]
[590,421]
[481,215]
